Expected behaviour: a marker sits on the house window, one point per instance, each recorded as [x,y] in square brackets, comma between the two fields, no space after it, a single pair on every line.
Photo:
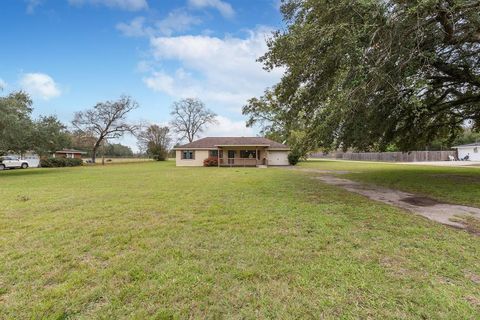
[248,154]
[188,154]
[213,153]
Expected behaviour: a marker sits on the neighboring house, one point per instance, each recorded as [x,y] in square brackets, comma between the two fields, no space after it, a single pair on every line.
[233,152]
[69,153]
[471,149]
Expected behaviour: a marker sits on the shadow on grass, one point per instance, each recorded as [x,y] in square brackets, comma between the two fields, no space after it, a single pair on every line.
[28,172]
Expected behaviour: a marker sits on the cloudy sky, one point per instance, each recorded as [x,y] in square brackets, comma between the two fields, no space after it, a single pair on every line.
[70,54]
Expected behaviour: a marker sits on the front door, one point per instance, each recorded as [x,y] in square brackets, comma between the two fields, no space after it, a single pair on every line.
[231,156]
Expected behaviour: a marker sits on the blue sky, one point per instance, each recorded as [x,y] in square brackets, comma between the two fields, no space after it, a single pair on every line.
[71,54]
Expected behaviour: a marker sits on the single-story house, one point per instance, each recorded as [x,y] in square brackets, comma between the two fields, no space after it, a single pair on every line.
[233,152]
[69,153]
[471,149]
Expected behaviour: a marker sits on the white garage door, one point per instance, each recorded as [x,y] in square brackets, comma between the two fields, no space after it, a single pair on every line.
[278,158]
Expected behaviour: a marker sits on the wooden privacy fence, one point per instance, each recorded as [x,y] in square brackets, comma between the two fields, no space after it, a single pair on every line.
[411,156]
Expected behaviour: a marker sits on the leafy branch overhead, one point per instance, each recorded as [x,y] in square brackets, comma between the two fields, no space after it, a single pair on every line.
[368,74]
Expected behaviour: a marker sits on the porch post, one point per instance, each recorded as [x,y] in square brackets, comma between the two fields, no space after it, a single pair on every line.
[256,156]
[218,157]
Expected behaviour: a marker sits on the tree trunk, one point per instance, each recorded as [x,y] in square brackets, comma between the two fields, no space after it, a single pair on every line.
[94,153]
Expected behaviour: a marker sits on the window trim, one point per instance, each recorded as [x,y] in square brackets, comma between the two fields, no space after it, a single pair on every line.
[253,152]
[183,152]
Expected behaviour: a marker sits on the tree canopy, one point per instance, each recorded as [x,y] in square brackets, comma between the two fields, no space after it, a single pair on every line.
[156,141]
[368,74]
[190,117]
[106,120]
[20,133]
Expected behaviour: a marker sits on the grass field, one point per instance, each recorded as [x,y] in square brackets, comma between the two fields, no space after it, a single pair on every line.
[121,160]
[459,185]
[150,240]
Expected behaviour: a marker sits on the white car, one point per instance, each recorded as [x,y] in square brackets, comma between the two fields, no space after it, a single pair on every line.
[12,162]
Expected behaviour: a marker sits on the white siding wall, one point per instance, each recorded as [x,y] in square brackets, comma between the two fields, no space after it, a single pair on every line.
[474,156]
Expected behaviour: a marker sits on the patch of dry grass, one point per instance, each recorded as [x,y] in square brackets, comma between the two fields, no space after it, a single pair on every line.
[472,223]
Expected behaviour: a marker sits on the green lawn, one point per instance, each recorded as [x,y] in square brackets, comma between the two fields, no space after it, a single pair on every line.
[459,185]
[151,240]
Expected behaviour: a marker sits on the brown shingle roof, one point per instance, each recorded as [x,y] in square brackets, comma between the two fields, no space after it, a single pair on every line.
[70,151]
[214,142]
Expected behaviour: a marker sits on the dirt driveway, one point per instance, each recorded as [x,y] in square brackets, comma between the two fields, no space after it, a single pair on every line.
[458,216]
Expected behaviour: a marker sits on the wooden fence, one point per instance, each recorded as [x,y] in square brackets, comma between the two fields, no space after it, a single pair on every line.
[412,156]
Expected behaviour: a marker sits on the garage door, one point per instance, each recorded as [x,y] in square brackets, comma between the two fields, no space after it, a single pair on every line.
[278,158]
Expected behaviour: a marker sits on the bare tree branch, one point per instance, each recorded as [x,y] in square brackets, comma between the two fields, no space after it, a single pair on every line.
[190,117]
[107,120]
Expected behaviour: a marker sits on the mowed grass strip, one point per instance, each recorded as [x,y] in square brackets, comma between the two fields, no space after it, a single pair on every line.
[459,185]
[154,241]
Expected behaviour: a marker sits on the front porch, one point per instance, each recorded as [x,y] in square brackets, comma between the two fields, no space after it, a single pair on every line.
[244,156]
[240,162]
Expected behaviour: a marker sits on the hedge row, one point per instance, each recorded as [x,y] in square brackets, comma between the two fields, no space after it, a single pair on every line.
[60,162]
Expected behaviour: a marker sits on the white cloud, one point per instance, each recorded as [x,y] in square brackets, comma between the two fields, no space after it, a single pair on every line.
[40,84]
[3,84]
[223,7]
[213,69]
[130,5]
[226,127]
[135,28]
[176,21]
[31,5]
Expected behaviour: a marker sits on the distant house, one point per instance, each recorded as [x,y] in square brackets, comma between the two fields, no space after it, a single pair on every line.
[471,149]
[69,153]
[233,152]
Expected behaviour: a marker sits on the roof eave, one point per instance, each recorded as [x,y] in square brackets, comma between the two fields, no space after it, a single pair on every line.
[466,146]
[242,145]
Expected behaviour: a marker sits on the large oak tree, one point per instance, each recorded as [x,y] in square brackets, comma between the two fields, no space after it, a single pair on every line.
[190,117]
[368,74]
[20,133]
[106,120]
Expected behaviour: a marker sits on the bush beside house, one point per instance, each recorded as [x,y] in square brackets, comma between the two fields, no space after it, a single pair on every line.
[60,162]
[210,162]
[293,157]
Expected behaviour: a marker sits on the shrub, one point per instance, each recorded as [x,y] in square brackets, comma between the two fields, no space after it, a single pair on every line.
[160,157]
[293,157]
[210,162]
[60,162]
[158,154]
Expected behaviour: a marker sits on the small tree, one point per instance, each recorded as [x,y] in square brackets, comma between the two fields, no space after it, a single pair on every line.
[155,140]
[50,135]
[106,120]
[190,117]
